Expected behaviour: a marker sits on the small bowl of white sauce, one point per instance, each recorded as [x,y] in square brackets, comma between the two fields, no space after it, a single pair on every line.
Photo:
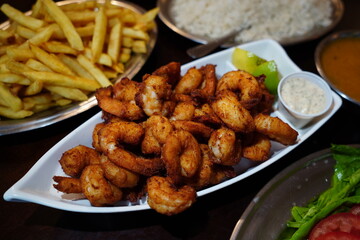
[303,96]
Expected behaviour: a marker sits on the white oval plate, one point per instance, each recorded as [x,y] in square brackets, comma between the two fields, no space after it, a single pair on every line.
[36,185]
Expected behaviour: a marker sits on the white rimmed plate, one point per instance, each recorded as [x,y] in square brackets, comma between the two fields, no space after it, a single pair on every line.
[36,185]
[57,114]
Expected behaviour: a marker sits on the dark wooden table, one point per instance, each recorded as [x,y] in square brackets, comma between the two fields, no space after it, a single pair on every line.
[212,217]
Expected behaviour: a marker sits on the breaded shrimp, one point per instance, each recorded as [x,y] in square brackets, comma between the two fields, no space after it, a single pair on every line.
[121,108]
[112,139]
[67,184]
[257,148]
[190,81]
[206,115]
[206,170]
[183,111]
[275,129]
[171,72]
[182,148]
[228,108]
[95,136]
[225,146]
[208,85]
[157,129]
[98,190]
[74,160]
[154,91]
[120,177]
[199,130]
[167,199]
[250,91]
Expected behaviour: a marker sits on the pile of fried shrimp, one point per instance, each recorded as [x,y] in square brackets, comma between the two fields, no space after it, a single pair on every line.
[169,135]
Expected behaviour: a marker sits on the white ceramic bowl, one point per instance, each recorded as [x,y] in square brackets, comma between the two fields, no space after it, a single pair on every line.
[297,118]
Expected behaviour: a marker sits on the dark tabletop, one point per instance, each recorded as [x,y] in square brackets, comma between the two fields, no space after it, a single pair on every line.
[212,217]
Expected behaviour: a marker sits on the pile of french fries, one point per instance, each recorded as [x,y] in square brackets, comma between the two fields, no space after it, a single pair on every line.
[61,53]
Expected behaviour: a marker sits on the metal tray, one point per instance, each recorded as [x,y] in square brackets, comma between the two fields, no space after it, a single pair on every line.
[57,114]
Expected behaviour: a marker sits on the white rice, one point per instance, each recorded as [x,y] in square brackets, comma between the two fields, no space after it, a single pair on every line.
[278,19]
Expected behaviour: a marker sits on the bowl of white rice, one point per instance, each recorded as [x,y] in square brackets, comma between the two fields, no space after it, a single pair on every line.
[286,21]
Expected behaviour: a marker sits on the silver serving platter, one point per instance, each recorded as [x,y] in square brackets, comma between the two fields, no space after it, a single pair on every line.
[165,16]
[54,115]
[318,52]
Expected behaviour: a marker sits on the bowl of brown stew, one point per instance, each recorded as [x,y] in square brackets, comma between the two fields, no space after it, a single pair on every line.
[337,59]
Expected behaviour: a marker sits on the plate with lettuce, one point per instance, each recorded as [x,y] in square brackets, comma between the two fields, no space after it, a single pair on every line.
[290,205]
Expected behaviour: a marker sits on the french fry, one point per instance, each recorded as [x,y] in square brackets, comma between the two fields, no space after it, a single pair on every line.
[11,101]
[93,70]
[135,33]
[69,93]
[99,35]
[12,114]
[34,88]
[19,54]
[21,18]
[58,47]
[104,59]
[37,9]
[25,32]
[139,46]
[50,60]
[114,43]
[14,78]
[17,67]
[43,36]
[51,78]
[65,24]
[36,65]
[75,66]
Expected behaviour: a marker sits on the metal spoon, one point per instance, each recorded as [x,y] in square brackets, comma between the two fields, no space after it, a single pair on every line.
[203,49]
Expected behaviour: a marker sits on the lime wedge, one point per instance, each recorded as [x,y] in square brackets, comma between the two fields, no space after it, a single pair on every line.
[269,69]
[245,60]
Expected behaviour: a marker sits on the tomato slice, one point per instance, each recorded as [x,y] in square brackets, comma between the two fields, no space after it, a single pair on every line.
[355,209]
[339,222]
[338,236]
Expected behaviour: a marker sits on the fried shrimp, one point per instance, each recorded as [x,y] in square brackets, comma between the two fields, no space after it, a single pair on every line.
[181,155]
[67,184]
[190,81]
[257,148]
[157,129]
[225,146]
[170,71]
[167,199]
[154,91]
[206,170]
[74,160]
[95,136]
[206,115]
[97,189]
[183,111]
[208,85]
[112,138]
[125,109]
[120,177]
[197,129]
[275,129]
[228,108]
[250,91]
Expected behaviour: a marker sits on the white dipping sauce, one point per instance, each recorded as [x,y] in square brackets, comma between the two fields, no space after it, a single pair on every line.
[303,96]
